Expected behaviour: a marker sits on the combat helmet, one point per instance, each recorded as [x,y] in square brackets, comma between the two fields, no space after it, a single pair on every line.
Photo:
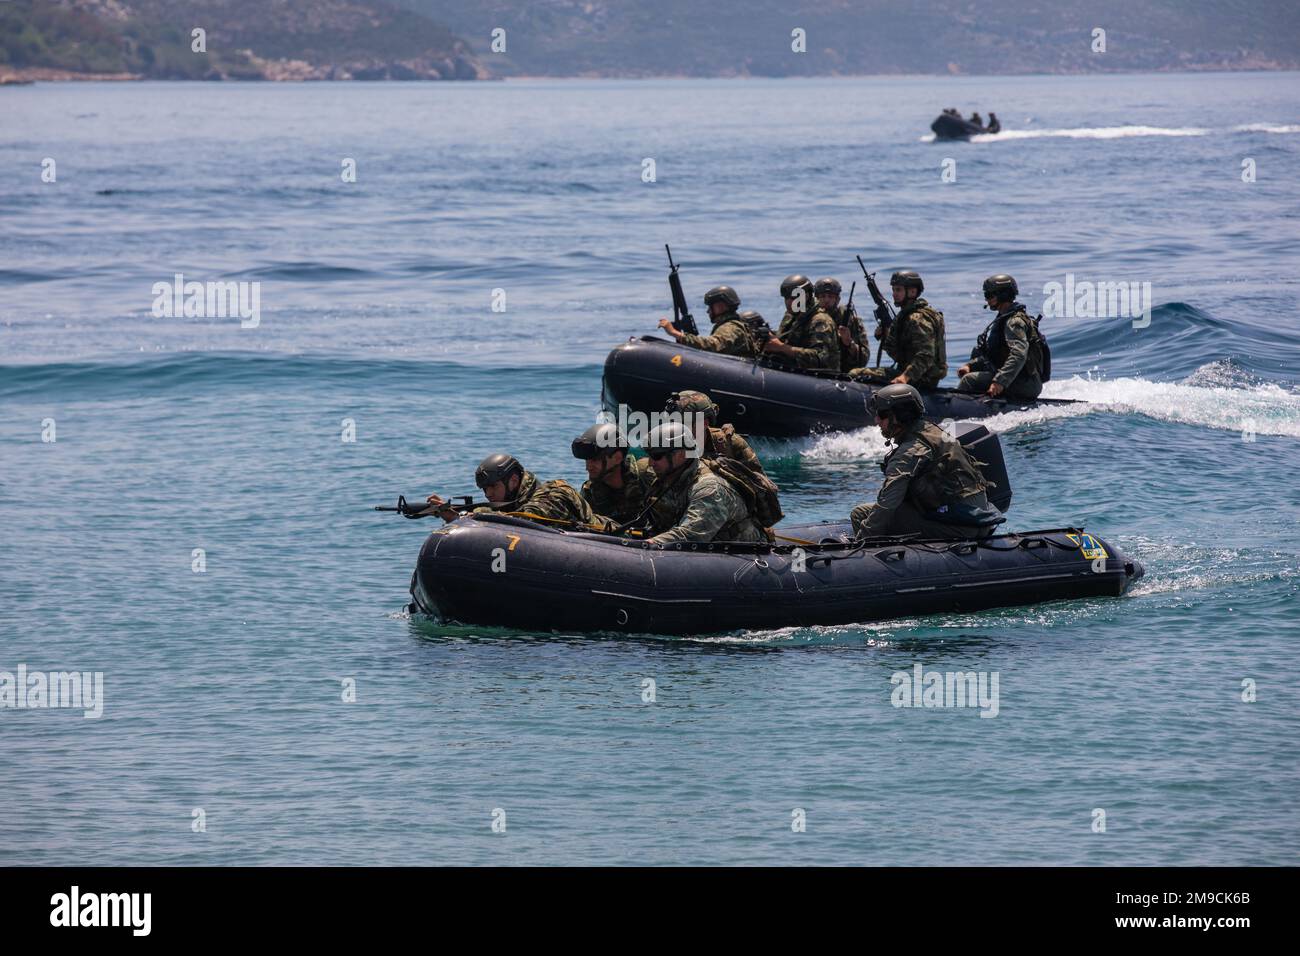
[691,401]
[599,440]
[796,281]
[901,401]
[722,293]
[669,437]
[1001,286]
[908,279]
[498,467]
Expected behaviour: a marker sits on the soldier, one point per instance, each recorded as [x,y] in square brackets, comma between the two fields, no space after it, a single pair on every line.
[932,485]
[1009,355]
[807,337]
[617,486]
[855,349]
[731,336]
[719,441]
[915,339]
[690,502]
[509,487]
[995,125]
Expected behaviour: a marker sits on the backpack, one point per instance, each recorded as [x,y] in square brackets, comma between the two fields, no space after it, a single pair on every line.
[757,490]
[1045,356]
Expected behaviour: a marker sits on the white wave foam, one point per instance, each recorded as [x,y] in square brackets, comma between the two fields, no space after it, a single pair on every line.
[1090,132]
[1266,408]
[862,444]
[1267,128]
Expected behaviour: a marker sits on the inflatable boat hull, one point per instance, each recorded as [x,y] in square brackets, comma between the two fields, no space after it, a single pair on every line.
[505,571]
[954,127]
[760,399]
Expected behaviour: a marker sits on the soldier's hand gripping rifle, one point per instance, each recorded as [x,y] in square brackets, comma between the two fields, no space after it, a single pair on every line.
[847,317]
[683,321]
[423,509]
[884,311]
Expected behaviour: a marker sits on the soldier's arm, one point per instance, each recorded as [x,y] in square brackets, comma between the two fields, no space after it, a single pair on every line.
[823,350]
[706,513]
[559,501]
[724,339]
[892,493]
[920,339]
[1017,352]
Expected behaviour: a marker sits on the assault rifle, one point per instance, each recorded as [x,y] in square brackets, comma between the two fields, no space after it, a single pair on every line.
[422,509]
[683,321]
[884,311]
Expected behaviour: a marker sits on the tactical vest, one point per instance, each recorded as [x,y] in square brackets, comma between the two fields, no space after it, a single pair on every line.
[993,345]
[940,333]
[757,336]
[951,475]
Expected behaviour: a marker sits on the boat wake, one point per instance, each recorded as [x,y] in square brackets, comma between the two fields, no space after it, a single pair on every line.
[1211,397]
[1205,398]
[1090,132]
[1122,132]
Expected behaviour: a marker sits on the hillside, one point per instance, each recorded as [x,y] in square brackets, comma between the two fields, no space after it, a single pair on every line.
[246,39]
[753,37]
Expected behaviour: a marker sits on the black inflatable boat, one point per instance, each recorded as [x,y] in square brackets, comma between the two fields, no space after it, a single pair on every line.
[948,126]
[490,569]
[762,399]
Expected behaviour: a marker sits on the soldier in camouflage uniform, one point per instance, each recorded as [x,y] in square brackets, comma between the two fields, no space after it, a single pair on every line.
[807,337]
[855,347]
[932,486]
[1011,359]
[510,488]
[617,486]
[731,335]
[915,340]
[720,441]
[690,502]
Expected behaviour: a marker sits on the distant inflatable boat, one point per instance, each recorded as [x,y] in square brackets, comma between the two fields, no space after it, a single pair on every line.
[948,126]
[762,399]
[816,574]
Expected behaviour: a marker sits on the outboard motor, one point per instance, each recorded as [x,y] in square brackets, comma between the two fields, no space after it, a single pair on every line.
[986,448]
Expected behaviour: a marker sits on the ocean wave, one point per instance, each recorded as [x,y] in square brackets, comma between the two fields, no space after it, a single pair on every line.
[187,370]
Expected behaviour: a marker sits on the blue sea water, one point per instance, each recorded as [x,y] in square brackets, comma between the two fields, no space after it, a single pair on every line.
[223,690]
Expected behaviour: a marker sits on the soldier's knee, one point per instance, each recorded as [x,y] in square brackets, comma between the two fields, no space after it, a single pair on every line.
[971,382]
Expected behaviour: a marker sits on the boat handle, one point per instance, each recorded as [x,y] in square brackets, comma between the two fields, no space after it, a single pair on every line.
[621,616]
[740,408]
[891,554]
[1030,543]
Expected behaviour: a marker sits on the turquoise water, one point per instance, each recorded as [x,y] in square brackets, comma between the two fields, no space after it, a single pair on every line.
[223,690]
